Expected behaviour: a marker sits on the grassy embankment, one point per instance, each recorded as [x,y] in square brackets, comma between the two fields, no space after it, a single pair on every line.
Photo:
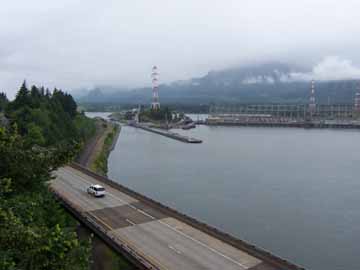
[106,143]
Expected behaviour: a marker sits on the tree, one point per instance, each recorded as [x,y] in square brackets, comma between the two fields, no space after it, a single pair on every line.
[35,233]
[67,102]
[35,135]
[162,114]
[47,118]
[22,96]
[45,132]
[3,101]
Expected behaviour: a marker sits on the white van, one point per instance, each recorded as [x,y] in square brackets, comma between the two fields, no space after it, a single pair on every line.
[96,190]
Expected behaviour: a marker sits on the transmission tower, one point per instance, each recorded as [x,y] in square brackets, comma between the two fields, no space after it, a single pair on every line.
[155,105]
[357,99]
[312,103]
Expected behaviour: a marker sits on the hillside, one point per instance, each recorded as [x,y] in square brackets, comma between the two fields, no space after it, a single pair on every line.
[262,83]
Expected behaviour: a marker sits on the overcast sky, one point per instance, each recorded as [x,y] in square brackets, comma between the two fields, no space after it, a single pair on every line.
[72,44]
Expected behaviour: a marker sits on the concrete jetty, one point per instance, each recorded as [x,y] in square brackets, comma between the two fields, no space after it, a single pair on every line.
[169,134]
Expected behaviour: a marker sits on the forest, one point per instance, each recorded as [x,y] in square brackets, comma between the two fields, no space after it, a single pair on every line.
[42,132]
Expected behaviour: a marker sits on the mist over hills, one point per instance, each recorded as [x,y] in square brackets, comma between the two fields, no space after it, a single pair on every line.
[259,83]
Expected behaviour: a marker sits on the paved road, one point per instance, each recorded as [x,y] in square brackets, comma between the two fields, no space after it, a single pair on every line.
[163,241]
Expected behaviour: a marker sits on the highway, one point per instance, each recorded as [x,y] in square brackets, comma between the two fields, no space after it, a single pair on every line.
[163,241]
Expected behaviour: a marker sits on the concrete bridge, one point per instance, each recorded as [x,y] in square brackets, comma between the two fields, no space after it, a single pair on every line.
[151,235]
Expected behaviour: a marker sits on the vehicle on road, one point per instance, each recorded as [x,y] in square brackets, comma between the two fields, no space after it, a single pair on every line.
[96,190]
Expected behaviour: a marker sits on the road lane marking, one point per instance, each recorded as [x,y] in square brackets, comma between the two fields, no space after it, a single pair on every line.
[173,228]
[129,221]
[203,244]
[101,221]
[174,249]
[145,214]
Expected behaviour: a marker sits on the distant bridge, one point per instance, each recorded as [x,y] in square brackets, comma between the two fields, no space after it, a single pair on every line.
[151,235]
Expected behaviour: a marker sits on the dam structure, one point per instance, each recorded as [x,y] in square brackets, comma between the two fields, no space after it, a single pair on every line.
[288,115]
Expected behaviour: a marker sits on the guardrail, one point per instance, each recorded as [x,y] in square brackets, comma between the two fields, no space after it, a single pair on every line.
[251,249]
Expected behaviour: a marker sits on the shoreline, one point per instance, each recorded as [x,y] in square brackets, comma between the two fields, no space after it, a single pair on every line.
[98,161]
[97,149]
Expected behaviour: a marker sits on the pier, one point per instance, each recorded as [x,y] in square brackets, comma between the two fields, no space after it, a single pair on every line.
[169,134]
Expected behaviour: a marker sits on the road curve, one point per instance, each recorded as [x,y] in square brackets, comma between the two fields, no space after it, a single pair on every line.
[161,240]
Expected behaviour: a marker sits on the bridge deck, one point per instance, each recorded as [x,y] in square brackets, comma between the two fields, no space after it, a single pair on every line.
[162,241]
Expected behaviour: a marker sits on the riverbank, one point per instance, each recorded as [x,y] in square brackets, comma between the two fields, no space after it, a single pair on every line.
[96,151]
[98,162]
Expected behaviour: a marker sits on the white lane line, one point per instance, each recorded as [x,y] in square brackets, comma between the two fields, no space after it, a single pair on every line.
[181,233]
[203,244]
[174,249]
[145,214]
[129,221]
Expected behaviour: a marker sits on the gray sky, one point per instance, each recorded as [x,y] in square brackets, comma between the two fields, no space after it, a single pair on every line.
[72,44]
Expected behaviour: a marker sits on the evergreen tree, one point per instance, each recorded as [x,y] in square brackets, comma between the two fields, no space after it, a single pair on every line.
[35,233]
[22,96]
[3,101]
[48,118]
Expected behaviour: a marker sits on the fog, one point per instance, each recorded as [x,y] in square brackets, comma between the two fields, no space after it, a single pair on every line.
[79,44]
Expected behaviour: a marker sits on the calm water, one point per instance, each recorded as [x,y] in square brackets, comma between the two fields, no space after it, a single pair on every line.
[295,192]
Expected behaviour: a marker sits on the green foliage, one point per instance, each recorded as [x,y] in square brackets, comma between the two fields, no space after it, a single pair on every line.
[162,114]
[35,135]
[45,133]
[85,127]
[66,101]
[47,119]
[32,246]
[3,101]
[20,162]
[22,97]
[100,163]
[35,232]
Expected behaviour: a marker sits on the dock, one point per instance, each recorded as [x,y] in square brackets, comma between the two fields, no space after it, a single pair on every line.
[169,134]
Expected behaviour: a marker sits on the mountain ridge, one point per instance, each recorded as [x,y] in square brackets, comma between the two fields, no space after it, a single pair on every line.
[272,82]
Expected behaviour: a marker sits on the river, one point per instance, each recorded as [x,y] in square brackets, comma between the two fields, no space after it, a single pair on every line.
[292,191]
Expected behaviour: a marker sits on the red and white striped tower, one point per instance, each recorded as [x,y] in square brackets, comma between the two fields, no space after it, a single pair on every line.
[312,103]
[155,105]
[357,100]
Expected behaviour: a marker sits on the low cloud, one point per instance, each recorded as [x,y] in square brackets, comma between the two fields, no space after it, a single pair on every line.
[330,68]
